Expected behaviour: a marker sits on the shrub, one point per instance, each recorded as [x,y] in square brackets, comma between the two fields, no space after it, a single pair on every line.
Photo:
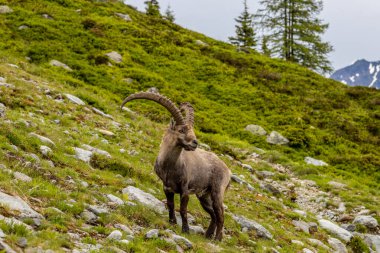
[358,246]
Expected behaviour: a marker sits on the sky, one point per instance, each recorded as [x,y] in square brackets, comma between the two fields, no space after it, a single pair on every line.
[354,27]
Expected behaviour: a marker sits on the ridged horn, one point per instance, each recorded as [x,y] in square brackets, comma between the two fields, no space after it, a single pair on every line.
[162,100]
[189,112]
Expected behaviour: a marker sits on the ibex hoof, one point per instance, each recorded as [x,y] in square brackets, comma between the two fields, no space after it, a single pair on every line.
[185,229]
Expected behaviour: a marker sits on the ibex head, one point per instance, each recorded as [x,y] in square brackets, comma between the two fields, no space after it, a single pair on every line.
[180,132]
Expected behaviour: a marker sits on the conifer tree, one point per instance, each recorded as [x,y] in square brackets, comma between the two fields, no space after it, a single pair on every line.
[294,31]
[245,34]
[152,8]
[264,47]
[169,14]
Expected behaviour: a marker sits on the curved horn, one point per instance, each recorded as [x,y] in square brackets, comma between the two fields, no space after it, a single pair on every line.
[164,101]
[189,112]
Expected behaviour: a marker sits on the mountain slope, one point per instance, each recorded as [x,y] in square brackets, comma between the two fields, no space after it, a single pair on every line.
[360,73]
[229,90]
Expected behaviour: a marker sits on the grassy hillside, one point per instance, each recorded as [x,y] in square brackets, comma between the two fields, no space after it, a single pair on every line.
[229,90]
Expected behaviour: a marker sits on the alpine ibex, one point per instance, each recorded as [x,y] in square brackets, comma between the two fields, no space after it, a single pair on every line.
[186,170]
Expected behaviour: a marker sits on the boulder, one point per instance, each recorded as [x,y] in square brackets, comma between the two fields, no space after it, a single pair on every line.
[96,150]
[318,243]
[83,155]
[42,139]
[315,162]
[184,242]
[201,43]
[366,220]
[115,56]
[126,17]
[101,113]
[45,150]
[115,199]
[75,99]
[153,233]
[277,139]
[22,177]
[144,198]
[115,235]
[373,241]
[59,64]
[256,130]
[15,203]
[5,9]
[252,225]
[337,245]
[2,110]
[335,230]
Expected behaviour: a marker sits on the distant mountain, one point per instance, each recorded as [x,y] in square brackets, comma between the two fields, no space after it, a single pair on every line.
[360,73]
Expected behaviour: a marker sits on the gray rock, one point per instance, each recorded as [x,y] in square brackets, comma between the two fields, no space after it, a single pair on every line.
[23,27]
[237,179]
[2,110]
[45,150]
[125,228]
[98,209]
[115,56]
[153,90]
[196,230]
[153,233]
[201,43]
[277,139]
[373,241]
[313,227]
[3,246]
[270,188]
[337,245]
[300,212]
[304,226]
[96,150]
[115,199]
[366,220]
[247,167]
[256,130]
[335,230]
[84,184]
[22,177]
[101,113]
[252,225]
[115,235]
[83,155]
[264,174]
[126,17]
[74,99]
[315,162]
[2,235]
[42,139]
[5,9]
[56,63]
[124,241]
[184,242]
[306,250]
[297,242]
[22,242]
[144,198]
[318,243]
[47,16]
[10,221]
[89,217]
[15,203]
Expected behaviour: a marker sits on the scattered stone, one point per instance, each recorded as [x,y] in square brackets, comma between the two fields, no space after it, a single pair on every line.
[341,208]
[43,139]
[366,220]
[313,227]
[304,226]
[256,130]
[306,250]
[337,245]
[45,150]
[89,217]
[22,177]
[201,43]
[23,27]
[270,188]
[2,235]
[264,174]
[335,230]
[153,90]
[277,139]
[252,225]
[122,150]
[3,246]
[96,150]
[182,241]
[22,242]
[373,241]
[47,16]
[74,99]
[126,17]
[337,185]
[318,243]
[297,242]
[115,199]
[10,221]
[97,209]
[315,162]
[247,167]
[125,228]
[2,110]
[56,63]
[84,184]
[115,235]
[300,212]
[83,155]
[237,179]
[101,113]
[106,132]
[144,198]
[153,233]
[124,241]
[4,9]
[196,230]
[115,56]
[204,146]
[15,203]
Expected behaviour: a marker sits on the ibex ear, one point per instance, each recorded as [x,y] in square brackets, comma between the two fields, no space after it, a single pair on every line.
[172,124]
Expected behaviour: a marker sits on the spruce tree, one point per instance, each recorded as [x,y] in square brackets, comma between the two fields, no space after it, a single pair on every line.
[152,8]
[245,34]
[294,32]
[169,14]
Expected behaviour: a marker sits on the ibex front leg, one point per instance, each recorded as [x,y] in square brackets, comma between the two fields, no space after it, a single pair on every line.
[183,212]
[170,204]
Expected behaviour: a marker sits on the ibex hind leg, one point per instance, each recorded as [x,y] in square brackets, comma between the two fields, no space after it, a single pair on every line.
[170,204]
[217,205]
[206,203]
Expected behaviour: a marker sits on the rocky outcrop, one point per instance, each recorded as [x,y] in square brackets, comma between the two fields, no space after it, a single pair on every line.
[335,230]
